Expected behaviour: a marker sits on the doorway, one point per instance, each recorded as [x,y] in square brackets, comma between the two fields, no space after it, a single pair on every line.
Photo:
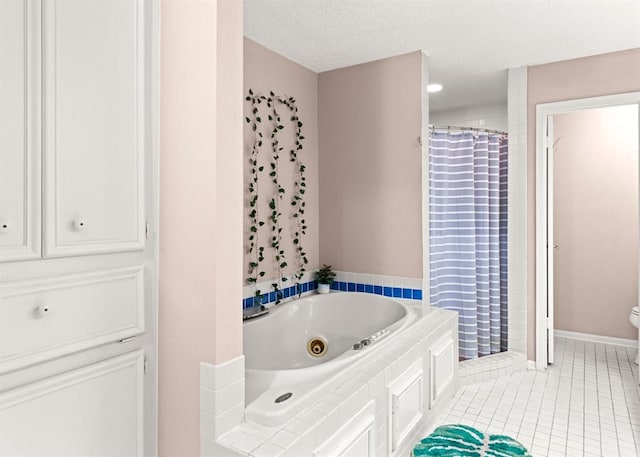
[547,246]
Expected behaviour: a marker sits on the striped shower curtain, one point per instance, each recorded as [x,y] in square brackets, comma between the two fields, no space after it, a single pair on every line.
[468,236]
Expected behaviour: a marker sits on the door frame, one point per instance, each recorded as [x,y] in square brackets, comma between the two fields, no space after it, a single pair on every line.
[544,210]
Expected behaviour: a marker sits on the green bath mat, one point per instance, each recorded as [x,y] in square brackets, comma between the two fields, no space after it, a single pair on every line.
[464,441]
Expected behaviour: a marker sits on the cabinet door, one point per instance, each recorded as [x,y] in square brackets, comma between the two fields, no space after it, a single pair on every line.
[92,411]
[94,125]
[19,130]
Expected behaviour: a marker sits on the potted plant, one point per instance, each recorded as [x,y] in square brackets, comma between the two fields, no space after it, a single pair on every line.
[325,278]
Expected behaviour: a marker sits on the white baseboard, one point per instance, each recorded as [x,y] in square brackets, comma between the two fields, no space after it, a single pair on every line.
[531,364]
[596,338]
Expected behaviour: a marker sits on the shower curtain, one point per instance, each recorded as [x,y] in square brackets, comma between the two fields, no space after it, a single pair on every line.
[468,236]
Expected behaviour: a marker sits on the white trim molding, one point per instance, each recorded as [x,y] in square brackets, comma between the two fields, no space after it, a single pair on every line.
[592,338]
[426,279]
[517,210]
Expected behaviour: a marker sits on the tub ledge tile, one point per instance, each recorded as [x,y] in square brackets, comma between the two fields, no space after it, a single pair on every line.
[268,450]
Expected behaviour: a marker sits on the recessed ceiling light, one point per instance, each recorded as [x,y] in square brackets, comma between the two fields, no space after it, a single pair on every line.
[434,87]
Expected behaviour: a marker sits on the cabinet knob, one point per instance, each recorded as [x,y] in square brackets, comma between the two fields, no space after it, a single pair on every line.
[43,310]
[4,227]
[78,224]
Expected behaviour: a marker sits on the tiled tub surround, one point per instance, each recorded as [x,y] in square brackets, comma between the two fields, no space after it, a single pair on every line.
[388,286]
[362,389]
[221,397]
[290,290]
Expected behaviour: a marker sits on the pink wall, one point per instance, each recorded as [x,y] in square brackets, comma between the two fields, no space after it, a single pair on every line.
[605,74]
[266,71]
[596,220]
[200,207]
[370,167]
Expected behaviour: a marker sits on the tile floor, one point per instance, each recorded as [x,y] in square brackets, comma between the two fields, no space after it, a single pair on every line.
[586,404]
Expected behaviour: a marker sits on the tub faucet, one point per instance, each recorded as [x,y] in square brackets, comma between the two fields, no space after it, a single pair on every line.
[253,312]
[361,345]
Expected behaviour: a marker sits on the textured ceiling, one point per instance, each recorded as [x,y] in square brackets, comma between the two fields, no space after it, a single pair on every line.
[470,43]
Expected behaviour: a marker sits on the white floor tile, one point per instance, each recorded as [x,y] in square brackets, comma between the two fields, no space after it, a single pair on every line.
[586,404]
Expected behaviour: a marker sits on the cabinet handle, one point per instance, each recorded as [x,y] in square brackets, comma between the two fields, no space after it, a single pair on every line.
[124,340]
[78,225]
[43,310]
[4,227]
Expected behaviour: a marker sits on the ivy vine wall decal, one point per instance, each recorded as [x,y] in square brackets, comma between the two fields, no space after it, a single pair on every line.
[285,199]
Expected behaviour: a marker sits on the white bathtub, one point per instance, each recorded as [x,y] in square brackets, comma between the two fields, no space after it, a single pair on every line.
[275,348]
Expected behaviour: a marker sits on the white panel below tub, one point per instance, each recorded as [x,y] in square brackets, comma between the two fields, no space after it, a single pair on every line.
[355,439]
[96,410]
[406,405]
[443,360]
[361,445]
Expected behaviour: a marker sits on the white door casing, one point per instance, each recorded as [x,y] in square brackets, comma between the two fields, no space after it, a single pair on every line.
[550,149]
[544,211]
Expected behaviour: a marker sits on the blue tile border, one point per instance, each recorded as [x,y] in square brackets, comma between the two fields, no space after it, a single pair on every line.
[287,292]
[291,291]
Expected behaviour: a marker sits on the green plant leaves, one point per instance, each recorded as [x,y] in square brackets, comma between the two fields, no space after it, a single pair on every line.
[275,125]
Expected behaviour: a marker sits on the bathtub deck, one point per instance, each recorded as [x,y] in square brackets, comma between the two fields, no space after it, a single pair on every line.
[367,380]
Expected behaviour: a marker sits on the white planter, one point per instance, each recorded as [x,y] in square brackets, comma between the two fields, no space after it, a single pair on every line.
[324,288]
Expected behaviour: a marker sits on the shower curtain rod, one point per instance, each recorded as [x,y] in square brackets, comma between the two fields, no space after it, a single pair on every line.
[463,129]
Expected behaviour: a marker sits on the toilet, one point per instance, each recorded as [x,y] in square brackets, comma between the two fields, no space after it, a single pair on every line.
[634,318]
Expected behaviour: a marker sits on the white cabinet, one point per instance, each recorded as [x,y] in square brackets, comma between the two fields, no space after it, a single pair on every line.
[94,125]
[92,411]
[75,126]
[19,130]
[78,178]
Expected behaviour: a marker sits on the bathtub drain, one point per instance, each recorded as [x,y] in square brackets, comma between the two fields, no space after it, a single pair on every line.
[284,397]
[317,347]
